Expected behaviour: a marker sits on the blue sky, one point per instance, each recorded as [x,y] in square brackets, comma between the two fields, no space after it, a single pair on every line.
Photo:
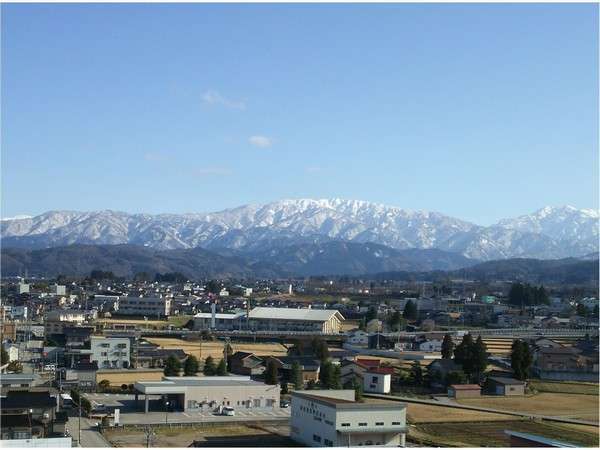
[477,111]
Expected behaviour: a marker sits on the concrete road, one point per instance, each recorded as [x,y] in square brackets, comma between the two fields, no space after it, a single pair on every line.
[90,437]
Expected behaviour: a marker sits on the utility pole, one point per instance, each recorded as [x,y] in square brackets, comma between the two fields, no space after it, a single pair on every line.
[79,434]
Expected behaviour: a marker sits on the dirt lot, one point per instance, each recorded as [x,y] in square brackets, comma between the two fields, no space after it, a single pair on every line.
[574,406]
[215,348]
[214,435]
[119,377]
[491,433]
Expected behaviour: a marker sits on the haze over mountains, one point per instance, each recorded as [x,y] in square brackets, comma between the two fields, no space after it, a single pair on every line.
[551,232]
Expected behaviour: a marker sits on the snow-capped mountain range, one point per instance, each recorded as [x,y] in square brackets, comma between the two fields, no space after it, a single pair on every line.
[551,232]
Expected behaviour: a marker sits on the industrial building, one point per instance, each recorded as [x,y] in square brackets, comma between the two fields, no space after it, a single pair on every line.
[332,418]
[291,319]
[209,393]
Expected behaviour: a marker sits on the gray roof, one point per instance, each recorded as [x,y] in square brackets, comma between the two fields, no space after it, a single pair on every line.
[208,381]
[317,315]
[343,404]
[506,380]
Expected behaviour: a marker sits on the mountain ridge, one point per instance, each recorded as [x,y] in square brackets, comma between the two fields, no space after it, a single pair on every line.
[550,232]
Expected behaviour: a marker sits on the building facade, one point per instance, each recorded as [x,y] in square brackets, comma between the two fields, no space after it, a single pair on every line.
[145,306]
[332,418]
[110,353]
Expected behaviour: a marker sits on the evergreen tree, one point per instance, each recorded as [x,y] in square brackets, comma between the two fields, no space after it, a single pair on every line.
[326,375]
[190,366]
[463,354]
[222,368]
[209,367]
[271,372]
[447,347]
[228,354]
[455,377]
[320,349]
[410,311]
[521,359]
[396,321]
[371,314]
[480,355]
[296,376]
[4,357]
[172,366]
[416,373]
[336,383]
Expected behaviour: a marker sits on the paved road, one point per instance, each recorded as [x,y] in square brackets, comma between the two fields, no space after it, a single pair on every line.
[449,403]
[90,437]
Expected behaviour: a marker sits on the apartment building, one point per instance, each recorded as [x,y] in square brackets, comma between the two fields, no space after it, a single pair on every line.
[55,321]
[110,353]
[332,418]
[145,306]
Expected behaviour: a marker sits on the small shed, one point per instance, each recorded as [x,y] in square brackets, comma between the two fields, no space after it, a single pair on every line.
[506,386]
[464,391]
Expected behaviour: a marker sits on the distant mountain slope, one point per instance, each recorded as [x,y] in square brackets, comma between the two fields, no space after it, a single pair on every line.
[547,233]
[311,259]
[557,271]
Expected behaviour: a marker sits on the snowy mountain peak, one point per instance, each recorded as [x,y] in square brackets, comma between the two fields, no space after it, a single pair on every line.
[550,232]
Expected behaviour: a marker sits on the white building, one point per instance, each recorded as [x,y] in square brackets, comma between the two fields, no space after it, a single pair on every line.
[22,288]
[210,394]
[13,352]
[378,381]
[145,306]
[224,293]
[431,346]
[58,289]
[358,337]
[110,353]
[55,320]
[332,418]
[219,321]
[295,319]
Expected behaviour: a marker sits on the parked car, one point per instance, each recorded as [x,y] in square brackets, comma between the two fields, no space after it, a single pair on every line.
[228,411]
[284,404]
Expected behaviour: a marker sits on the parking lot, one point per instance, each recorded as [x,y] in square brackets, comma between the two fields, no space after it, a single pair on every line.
[130,415]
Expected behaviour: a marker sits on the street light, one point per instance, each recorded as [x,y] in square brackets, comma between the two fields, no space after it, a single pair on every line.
[166,412]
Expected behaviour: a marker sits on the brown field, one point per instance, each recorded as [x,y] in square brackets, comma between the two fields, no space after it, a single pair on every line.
[119,377]
[215,348]
[565,387]
[184,436]
[491,433]
[568,406]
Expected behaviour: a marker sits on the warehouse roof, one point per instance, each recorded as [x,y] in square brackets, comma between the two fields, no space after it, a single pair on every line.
[310,314]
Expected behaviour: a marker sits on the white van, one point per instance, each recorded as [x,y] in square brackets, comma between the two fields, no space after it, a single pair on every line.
[228,411]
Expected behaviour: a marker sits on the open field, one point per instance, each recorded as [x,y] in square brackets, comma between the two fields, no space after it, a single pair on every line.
[215,348]
[233,435]
[491,433]
[565,387]
[119,377]
[418,413]
[568,406]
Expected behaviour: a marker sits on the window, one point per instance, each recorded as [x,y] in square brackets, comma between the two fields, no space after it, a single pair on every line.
[362,424]
[328,443]
[379,424]
[328,422]
[396,423]
[318,419]
[374,379]
[345,424]
[316,438]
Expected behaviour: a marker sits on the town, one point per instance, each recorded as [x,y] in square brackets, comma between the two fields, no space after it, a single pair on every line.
[101,361]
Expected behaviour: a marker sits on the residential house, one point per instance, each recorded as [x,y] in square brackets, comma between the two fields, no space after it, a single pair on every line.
[244,363]
[378,380]
[505,386]
[310,366]
[459,391]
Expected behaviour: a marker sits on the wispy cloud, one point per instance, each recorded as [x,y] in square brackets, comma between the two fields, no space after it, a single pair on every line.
[216,99]
[155,156]
[260,141]
[212,172]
